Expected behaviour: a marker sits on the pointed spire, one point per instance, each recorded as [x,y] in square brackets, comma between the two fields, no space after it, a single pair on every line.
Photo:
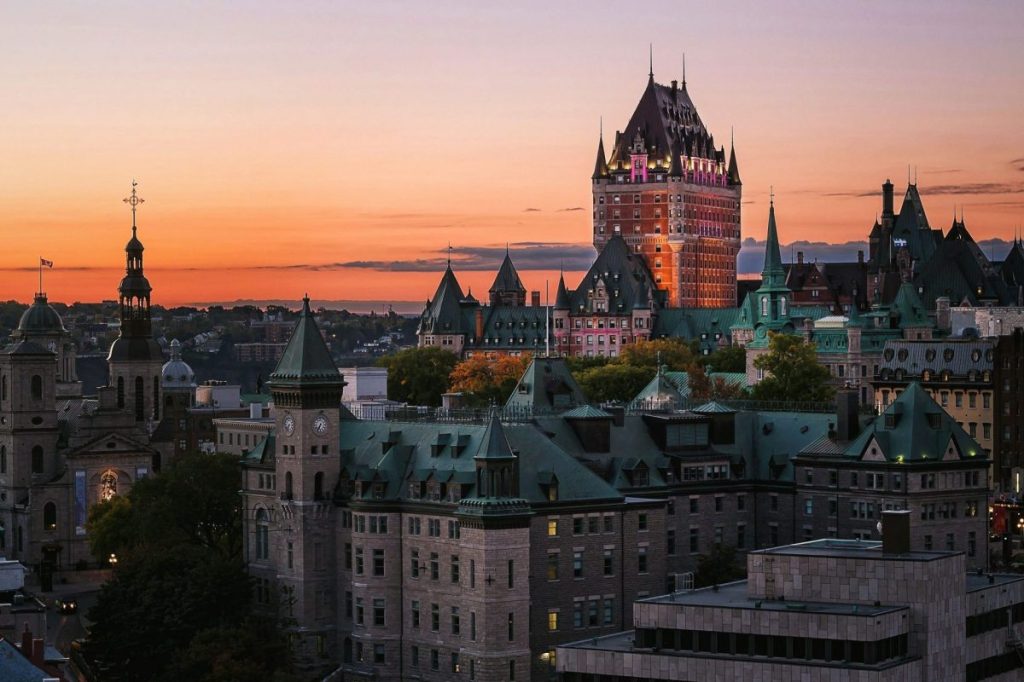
[562,296]
[773,274]
[734,168]
[494,444]
[601,164]
[306,359]
[684,71]
[651,72]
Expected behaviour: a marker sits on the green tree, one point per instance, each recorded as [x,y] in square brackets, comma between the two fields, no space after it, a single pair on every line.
[419,375]
[792,372]
[704,387]
[726,359]
[252,651]
[111,526]
[674,353]
[720,565]
[613,382]
[579,363]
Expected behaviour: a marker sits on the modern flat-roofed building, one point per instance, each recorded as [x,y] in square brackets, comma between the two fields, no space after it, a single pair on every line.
[823,610]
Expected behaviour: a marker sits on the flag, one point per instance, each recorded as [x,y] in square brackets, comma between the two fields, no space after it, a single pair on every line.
[45,263]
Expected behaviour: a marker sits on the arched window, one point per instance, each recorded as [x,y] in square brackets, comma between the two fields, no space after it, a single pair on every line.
[262,534]
[120,393]
[108,485]
[318,486]
[50,516]
[37,387]
[288,485]
[764,306]
[140,396]
[782,306]
[37,460]
[156,397]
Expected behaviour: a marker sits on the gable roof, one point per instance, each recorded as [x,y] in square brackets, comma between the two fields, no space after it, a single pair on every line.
[914,428]
[547,385]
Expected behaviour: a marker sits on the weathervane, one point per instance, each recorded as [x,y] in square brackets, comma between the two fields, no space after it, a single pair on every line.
[134,200]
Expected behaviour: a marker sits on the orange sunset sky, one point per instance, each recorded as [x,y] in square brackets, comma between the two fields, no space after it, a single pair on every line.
[338,147]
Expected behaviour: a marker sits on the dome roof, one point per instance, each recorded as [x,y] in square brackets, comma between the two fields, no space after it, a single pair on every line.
[40,318]
[176,372]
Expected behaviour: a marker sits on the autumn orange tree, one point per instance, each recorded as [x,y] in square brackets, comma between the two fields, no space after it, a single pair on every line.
[484,380]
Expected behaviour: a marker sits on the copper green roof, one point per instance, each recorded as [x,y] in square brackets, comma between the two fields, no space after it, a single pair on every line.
[493,444]
[713,408]
[586,412]
[909,308]
[306,358]
[547,385]
[40,317]
[915,428]
[773,275]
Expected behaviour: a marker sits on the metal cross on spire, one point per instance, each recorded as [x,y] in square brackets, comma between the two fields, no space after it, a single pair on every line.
[134,200]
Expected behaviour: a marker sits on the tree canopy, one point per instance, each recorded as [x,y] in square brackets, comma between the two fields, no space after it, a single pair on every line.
[485,380]
[674,354]
[726,359]
[792,372]
[180,583]
[613,382]
[419,375]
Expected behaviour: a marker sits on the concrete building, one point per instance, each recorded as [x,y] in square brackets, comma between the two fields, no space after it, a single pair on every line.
[829,610]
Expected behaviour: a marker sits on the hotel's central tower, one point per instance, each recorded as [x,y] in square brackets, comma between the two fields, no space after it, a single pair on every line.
[673,197]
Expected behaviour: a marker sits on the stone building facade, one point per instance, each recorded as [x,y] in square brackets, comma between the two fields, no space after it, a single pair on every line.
[822,610]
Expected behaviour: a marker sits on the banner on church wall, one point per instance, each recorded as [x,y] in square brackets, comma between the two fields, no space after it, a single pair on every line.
[80,502]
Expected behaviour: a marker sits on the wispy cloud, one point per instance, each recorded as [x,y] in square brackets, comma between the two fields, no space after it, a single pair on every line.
[1018,164]
[525,255]
[531,210]
[566,210]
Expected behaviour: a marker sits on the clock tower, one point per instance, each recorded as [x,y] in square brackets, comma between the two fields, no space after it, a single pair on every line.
[306,388]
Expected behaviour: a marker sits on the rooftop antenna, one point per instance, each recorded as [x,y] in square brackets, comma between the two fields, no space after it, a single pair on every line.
[771,195]
[651,49]
[449,254]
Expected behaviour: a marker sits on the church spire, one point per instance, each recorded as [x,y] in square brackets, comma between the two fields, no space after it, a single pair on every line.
[734,169]
[773,274]
[650,73]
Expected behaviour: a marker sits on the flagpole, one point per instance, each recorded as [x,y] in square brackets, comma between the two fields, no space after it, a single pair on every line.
[547,320]
[40,275]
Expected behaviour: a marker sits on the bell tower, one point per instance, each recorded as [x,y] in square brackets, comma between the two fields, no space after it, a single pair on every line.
[306,387]
[135,358]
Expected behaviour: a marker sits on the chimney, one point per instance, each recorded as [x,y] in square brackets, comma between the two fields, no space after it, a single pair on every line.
[535,299]
[255,410]
[887,203]
[800,257]
[860,257]
[479,320]
[942,320]
[107,397]
[26,642]
[896,532]
[38,654]
[847,407]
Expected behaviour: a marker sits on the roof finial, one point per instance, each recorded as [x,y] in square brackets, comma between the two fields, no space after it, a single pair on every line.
[651,72]
[449,254]
[600,127]
[908,175]
[684,70]
[134,200]
[732,136]
[506,248]
[771,195]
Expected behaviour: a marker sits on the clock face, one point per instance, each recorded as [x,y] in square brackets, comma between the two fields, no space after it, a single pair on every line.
[320,425]
[289,425]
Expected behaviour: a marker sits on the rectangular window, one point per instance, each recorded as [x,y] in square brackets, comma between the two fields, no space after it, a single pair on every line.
[609,610]
[694,505]
[455,568]
[456,624]
[359,610]
[670,542]
[359,560]
[435,566]
[741,535]
[552,528]
[435,617]
[378,562]
[552,570]
[577,525]
[641,521]
[577,564]
[641,560]
[472,573]
[415,656]
[511,574]
[378,653]
[718,503]
[511,627]
[378,613]
[435,660]
[694,540]
[415,613]
[552,621]
[609,561]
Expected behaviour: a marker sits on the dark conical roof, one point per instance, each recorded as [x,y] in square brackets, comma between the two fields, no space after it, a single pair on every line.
[734,169]
[562,297]
[40,318]
[601,165]
[493,444]
[773,274]
[306,358]
[507,278]
[958,232]
[444,310]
